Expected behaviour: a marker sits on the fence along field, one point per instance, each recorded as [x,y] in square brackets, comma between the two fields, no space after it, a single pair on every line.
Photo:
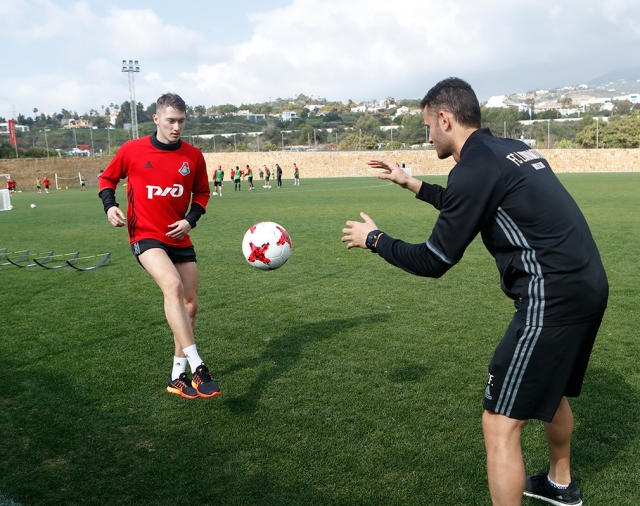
[324,163]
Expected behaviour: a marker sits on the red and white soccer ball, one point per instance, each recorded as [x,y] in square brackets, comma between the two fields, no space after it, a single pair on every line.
[266,246]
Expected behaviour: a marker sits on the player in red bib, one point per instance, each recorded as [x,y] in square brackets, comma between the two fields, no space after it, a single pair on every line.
[164,175]
[249,173]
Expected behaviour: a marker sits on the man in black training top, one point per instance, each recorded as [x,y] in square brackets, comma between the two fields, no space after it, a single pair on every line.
[549,265]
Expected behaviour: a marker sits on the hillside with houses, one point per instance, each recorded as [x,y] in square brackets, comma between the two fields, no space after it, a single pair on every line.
[586,116]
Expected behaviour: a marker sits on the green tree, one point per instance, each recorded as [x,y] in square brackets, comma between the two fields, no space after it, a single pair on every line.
[368,125]
[563,144]
[413,129]
[355,141]
[566,102]
[150,111]
[306,134]
[622,108]
[621,133]
[225,109]
[409,102]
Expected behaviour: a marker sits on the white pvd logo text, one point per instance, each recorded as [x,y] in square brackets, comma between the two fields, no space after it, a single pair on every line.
[156,191]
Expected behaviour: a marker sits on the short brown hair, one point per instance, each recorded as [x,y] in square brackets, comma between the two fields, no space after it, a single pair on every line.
[171,100]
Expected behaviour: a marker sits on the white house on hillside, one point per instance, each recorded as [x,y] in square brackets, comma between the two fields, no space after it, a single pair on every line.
[497,101]
[289,115]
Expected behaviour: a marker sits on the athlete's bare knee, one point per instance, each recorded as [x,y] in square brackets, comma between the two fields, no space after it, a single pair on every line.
[192,306]
[173,288]
[499,429]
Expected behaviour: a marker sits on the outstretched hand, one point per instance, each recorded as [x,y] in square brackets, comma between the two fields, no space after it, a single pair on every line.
[395,174]
[355,233]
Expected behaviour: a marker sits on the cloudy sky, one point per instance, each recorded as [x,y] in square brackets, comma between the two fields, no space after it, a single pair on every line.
[67,54]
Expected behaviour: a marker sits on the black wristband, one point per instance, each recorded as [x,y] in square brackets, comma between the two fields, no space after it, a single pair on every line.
[194,214]
[108,197]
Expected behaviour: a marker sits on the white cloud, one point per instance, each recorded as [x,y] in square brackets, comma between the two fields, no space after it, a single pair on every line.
[69,53]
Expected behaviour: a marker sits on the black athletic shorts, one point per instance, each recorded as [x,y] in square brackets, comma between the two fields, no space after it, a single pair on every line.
[217,183]
[176,255]
[534,367]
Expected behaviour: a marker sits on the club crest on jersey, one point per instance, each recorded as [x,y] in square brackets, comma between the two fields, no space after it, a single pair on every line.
[185,170]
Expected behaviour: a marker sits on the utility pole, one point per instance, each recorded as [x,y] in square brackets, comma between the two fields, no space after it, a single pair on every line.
[131,68]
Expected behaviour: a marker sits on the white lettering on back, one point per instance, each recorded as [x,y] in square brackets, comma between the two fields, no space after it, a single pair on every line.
[520,157]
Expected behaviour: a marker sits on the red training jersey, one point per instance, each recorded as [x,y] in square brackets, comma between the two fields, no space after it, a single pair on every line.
[162,180]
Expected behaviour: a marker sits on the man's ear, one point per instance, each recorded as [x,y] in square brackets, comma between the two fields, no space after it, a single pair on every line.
[445,117]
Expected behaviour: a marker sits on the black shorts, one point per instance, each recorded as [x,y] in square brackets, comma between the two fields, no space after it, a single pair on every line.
[217,183]
[176,255]
[250,179]
[534,367]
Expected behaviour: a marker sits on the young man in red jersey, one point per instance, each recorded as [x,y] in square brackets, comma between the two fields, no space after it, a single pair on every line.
[164,175]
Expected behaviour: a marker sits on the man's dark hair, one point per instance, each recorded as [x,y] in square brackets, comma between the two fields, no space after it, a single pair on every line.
[171,100]
[457,97]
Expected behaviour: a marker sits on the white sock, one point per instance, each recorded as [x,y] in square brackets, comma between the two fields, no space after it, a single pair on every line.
[192,356]
[554,484]
[179,366]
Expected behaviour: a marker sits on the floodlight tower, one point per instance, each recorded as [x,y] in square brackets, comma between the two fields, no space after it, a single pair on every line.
[131,68]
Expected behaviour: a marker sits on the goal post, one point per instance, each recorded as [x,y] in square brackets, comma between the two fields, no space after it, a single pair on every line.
[5,200]
[68,181]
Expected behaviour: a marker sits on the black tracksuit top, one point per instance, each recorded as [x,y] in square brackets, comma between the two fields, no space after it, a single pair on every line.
[548,261]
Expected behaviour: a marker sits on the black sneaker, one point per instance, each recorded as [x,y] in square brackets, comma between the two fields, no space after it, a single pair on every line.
[182,386]
[203,382]
[539,487]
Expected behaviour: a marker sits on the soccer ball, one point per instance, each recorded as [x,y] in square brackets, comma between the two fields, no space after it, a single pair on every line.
[266,246]
[33,206]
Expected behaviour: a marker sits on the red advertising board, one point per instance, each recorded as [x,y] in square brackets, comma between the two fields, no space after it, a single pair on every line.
[13,138]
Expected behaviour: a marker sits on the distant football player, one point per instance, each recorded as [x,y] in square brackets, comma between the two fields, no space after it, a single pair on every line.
[296,175]
[249,173]
[218,177]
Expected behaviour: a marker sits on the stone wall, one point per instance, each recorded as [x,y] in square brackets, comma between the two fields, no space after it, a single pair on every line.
[323,163]
[422,162]
[25,171]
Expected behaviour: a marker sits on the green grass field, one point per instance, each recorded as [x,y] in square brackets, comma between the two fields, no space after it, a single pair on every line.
[345,381]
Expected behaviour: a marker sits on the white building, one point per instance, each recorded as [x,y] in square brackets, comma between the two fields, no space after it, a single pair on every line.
[497,101]
[634,98]
[4,128]
[289,115]
[251,116]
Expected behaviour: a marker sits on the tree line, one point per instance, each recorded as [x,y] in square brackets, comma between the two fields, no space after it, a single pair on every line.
[331,125]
